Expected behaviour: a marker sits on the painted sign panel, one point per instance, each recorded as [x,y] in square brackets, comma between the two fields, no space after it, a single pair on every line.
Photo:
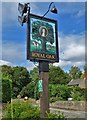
[43,42]
[40,86]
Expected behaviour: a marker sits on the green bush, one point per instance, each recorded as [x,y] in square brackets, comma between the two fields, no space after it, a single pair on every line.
[6,90]
[86,94]
[33,114]
[0,90]
[54,99]
[24,110]
[21,110]
[59,92]
[77,93]
[63,92]
[30,90]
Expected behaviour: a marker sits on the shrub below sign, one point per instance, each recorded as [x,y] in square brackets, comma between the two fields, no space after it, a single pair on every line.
[25,110]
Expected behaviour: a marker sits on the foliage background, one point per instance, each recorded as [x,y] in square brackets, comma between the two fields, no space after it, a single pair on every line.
[19,81]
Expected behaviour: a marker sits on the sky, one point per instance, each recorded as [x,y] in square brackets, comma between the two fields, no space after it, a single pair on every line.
[71,33]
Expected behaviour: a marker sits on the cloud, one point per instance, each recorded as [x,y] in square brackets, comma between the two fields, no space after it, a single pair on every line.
[63,64]
[0,14]
[9,12]
[14,54]
[0,30]
[73,47]
[29,65]
[13,51]
[36,9]
[75,52]
[75,9]
[81,13]
[12,7]
[72,50]
[3,62]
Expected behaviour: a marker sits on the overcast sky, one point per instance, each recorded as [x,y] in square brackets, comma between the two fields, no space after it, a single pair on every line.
[71,33]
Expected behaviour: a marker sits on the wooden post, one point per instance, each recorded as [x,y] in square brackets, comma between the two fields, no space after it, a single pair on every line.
[44,99]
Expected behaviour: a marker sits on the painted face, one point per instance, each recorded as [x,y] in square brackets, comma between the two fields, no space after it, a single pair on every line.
[43,31]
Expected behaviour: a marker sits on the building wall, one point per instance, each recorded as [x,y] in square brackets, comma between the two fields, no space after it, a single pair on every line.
[82,84]
[70,105]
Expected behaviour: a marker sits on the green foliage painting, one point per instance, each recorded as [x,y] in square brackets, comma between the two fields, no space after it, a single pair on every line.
[43,37]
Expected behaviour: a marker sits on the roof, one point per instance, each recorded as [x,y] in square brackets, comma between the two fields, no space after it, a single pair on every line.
[75,82]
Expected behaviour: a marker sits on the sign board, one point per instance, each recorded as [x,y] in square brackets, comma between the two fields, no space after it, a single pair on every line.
[43,39]
[40,86]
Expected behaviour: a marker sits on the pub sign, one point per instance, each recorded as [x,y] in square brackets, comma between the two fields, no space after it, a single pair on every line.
[43,39]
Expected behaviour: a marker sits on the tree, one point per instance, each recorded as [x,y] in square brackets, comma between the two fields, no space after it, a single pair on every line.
[31,89]
[75,72]
[6,89]
[85,71]
[7,71]
[78,93]
[6,83]
[34,74]
[19,75]
[28,90]
[83,75]
[59,92]
[37,26]
[58,76]
[0,88]
[20,79]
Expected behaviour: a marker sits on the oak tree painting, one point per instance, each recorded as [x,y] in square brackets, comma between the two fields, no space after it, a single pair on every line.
[43,42]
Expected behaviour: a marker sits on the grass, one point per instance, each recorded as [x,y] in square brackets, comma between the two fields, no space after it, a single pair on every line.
[39,49]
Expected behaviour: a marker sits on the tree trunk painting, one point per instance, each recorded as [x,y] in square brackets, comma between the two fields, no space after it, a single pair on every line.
[44,45]
[43,34]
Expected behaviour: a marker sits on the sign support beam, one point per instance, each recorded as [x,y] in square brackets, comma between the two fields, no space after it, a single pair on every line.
[44,75]
[44,99]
